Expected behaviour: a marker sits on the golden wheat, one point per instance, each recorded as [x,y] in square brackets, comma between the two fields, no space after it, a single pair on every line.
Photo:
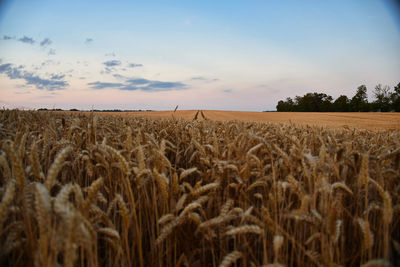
[94,190]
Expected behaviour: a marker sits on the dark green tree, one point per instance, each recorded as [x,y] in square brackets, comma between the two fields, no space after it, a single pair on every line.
[395,98]
[359,102]
[314,102]
[385,101]
[382,101]
[341,104]
[284,106]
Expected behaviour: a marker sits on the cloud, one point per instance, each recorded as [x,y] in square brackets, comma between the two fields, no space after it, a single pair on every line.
[57,76]
[133,65]
[107,70]
[112,63]
[84,63]
[138,81]
[112,54]
[140,84]
[118,76]
[45,64]
[204,79]
[22,93]
[102,85]
[162,86]
[26,40]
[51,52]
[89,41]
[198,78]
[46,42]
[30,78]
[45,96]
[6,37]
[227,91]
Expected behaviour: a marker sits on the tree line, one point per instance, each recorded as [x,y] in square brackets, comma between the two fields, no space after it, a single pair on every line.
[385,100]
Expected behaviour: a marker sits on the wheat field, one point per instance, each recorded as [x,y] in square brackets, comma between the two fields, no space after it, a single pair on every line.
[363,120]
[98,190]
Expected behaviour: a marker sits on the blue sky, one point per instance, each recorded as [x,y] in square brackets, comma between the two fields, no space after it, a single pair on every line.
[230,55]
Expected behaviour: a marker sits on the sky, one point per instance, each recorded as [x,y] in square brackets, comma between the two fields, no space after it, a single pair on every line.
[208,54]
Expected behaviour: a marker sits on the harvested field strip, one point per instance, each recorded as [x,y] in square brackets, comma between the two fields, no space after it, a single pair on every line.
[361,120]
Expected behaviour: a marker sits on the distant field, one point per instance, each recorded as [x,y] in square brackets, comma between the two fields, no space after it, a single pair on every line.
[371,121]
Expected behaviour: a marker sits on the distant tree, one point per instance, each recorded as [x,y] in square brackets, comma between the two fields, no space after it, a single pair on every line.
[359,102]
[382,98]
[395,98]
[341,104]
[397,89]
[326,104]
[314,102]
[290,104]
[73,109]
[284,106]
[281,106]
[385,101]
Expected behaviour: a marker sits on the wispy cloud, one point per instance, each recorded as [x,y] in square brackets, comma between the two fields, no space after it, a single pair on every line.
[51,52]
[89,41]
[112,54]
[45,96]
[204,79]
[46,42]
[138,81]
[22,93]
[30,78]
[103,85]
[133,65]
[107,70]
[112,63]
[227,91]
[27,40]
[119,76]
[140,84]
[57,76]
[84,63]
[198,78]
[46,63]
[7,37]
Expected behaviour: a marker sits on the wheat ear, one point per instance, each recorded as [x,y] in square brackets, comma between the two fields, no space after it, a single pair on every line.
[56,167]
[43,208]
[230,258]
[17,166]
[122,160]
[278,242]
[255,229]
[368,237]
[6,168]
[35,163]
[6,201]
